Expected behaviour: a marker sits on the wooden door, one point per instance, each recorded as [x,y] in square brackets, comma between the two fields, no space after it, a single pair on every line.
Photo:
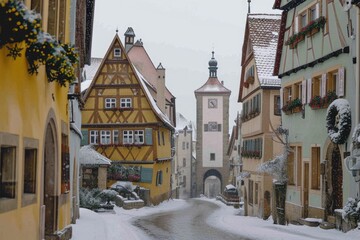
[306,190]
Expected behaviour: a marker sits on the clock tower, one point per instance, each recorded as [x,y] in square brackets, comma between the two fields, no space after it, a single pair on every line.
[212,121]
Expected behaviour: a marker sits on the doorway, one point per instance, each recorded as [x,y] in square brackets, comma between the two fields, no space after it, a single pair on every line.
[306,190]
[50,199]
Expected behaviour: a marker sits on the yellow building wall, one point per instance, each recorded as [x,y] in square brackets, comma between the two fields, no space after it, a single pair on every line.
[26,101]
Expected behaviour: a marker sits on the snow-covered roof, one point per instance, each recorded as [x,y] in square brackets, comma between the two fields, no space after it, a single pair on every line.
[213,85]
[263,34]
[89,156]
[229,186]
[160,114]
[182,122]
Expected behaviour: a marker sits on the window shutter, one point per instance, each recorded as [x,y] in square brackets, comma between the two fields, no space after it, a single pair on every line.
[85,137]
[281,97]
[219,127]
[146,175]
[296,24]
[317,7]
[303,92]
[340,90]
[323,85]
[309,90]
[148,136]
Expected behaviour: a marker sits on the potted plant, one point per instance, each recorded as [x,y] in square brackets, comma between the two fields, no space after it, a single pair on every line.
[316,102]
[328,98]
[296,105]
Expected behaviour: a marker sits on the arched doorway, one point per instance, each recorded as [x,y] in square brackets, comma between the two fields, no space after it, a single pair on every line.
[333,180]
[212,183]
[50,198]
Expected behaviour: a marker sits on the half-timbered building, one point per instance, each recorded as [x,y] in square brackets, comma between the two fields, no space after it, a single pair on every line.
[316,63]
[123,121]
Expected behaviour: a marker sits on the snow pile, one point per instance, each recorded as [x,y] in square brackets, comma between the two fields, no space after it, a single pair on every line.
[351,208]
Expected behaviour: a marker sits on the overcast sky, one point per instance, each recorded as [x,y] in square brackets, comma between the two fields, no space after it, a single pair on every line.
[181,35]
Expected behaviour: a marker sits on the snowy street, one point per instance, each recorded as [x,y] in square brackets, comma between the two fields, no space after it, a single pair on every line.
[110,226]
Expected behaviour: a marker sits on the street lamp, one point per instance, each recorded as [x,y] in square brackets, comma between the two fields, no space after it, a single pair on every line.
[249,2]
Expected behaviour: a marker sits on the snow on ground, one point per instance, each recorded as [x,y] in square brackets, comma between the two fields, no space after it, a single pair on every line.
[111,226]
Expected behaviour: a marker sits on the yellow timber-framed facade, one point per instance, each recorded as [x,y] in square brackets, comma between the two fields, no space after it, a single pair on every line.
[122,120]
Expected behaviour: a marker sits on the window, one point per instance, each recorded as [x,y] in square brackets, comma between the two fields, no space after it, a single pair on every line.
[105,137]
[313,13]
[212,126]
[187,145]
[184,181]
[110,102]
[65,164]
[184,162]
[94,137]
[332,78]
[159,178]
[115,136]
[128,137]
[287,94]
[315,168]
[303,20]
[212,156]
[139,136]
[251,192]
[183,145]
[8,172]
[256,193]
[315,86]
[30,163]
[277,108]
[117,52]
[298,90]
[36,5]
[163,138]
[299,165]
[125,103]
[56,19]
[158,134]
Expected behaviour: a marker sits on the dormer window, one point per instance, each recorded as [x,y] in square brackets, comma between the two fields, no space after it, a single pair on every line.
[117,52]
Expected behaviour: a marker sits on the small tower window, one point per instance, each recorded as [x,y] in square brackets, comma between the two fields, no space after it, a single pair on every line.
[117,52]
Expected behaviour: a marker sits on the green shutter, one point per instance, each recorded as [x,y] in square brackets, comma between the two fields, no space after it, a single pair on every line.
[148,136]
[146,175]
[85,138]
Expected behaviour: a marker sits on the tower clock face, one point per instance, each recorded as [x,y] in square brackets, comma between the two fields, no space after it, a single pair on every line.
[212,103]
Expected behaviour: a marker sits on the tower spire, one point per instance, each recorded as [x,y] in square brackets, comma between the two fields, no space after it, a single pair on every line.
[213,66]
[249,2]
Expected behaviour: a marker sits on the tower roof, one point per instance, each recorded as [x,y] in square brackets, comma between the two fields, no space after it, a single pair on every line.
[130,32]
[213,85]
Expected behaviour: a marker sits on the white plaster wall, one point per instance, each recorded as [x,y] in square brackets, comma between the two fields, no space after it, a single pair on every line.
[212,141]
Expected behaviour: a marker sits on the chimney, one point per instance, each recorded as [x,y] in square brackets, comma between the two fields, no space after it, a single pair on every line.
[129,38]
[160,88]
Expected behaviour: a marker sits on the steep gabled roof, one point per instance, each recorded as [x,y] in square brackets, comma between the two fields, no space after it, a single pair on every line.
[162,117]
[261,35]
[141,59]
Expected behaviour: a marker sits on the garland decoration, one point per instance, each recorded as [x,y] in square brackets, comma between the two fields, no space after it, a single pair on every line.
[19,24]
[338,121]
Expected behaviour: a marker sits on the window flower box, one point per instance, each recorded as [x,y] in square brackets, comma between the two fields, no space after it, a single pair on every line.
[310,29]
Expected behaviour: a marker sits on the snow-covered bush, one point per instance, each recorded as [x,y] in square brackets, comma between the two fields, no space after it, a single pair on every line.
[108,195]
[356,137]
[351,209]
[90,198]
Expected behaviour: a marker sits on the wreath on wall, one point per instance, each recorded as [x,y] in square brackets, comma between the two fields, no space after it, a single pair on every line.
[338,121]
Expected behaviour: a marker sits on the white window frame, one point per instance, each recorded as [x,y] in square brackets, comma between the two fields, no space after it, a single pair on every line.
[125,102]
[105,137]
[128,136]
[94,137]
[110,102]
[139,136]
[115,137]
[117,52]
